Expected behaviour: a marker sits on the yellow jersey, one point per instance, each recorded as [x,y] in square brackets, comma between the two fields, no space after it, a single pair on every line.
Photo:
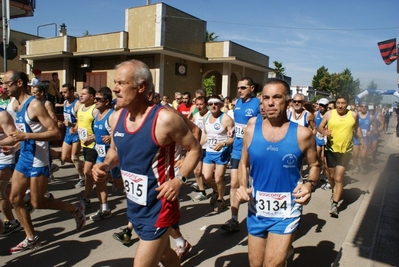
[341,128]
[85,124]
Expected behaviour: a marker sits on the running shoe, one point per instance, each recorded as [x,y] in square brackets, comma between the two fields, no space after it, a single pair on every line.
[124,236]
[80,183]
[199,197]
[101,215]
[86,202]
[195,187]
[231,225]
[51,179]
[79,215]
[26,244]
[60,159]
[54,168]
[326,186]
[214,198]
[181,251]
[356,170]
[10,227]
[334,210]
[220,206]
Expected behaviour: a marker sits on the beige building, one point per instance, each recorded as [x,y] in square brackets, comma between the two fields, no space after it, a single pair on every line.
[171,42]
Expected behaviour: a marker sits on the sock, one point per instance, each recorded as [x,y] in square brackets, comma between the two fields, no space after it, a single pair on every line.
[335,203]
[180,242]
[104,206]
[234,217]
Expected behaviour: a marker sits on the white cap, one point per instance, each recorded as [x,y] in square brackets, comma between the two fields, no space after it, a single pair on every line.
[323,101]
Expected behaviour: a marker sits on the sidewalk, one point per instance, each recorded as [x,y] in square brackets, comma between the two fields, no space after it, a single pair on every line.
[373,239]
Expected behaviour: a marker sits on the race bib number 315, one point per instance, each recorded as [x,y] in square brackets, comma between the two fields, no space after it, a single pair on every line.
[136,186]
[273,205]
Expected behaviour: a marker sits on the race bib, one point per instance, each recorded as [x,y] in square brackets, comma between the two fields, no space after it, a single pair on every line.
[136,186]
[364,132]
[101,150]
[240,129]
[273,205]
[211,140]
[20,127]
[67,117]
[82,132]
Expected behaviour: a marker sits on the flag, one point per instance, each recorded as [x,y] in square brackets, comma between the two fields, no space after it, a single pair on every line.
[388,50]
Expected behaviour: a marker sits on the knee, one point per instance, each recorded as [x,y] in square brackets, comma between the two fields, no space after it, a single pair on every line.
[197,172]
[38,203]
[234,184]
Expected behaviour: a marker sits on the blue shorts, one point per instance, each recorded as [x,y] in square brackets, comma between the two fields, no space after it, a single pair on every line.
[218,158]
[356,141]
[320,142]
[70,138]
[7,166]
[30,171]
[260,226]
[147,232]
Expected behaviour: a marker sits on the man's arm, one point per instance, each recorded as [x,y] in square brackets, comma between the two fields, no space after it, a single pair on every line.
[36,110]
[322,127]
[311,122]
[243,191]
[7,125]
[50,109]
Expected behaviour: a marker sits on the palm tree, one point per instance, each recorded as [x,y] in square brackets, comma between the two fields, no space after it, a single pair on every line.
[279,70]
[211,37]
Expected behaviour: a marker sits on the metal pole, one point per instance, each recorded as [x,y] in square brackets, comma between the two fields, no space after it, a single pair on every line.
[5,17]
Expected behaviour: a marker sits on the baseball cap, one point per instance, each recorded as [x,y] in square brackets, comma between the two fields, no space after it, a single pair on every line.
[36,71]
[323,101]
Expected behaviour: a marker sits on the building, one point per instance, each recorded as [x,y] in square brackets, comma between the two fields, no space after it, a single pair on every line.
[171,42]
[309,92]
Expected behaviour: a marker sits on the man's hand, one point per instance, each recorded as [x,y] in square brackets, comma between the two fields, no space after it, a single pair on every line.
[99,172]
[243,193]
[302,193]
[169,190]
[106,139]
[18,135]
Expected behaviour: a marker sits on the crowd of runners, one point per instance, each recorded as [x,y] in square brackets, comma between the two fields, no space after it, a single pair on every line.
[277,147]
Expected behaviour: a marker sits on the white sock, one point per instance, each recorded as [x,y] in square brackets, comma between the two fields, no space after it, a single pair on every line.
[180,242]
[104,206]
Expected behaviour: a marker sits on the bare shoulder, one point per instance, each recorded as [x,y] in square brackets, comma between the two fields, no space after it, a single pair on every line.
[304,133]
[114,117]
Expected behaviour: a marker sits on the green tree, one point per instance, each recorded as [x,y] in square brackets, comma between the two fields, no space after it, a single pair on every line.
[209,85]
[211,37]
[373,99]
[322,80]
[279,70]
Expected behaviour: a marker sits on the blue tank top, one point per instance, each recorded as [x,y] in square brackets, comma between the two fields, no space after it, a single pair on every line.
[69,112]
[318,119]
[145,165]
[242,113]
[101,128]
[274,166]
[364,124]
[32,152]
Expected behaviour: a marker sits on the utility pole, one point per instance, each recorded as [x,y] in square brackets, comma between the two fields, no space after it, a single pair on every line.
[6,30]
[148,2]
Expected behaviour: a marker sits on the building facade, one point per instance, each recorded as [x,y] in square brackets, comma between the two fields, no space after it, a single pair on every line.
[171,42]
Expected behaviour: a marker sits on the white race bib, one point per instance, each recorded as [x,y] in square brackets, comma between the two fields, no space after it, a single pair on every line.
[20,127]
[240,130]
[211,140]
[136,186]
[273,205]
[364,132]
[101,150]
[67,117]
[82,132]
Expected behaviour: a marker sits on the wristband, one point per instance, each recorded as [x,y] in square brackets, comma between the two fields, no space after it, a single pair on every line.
[313,183]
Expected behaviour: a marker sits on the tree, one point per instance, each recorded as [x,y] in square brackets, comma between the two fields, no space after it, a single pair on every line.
[211,37]
[373,99]
[209,85]
[322,80]
[279,70]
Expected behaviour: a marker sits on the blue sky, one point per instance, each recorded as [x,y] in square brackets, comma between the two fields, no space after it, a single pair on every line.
[303,35]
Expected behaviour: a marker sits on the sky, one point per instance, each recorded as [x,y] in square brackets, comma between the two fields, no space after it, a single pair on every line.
[303,35]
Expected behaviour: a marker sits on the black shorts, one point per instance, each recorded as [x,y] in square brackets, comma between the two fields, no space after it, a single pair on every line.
[334,158]
[90,154]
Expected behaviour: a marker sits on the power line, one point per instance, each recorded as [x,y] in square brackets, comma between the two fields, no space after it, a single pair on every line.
[290,28]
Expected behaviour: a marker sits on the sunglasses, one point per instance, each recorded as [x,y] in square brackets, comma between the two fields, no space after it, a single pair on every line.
[297,101]
[242,87]
[213,104]
[363,106]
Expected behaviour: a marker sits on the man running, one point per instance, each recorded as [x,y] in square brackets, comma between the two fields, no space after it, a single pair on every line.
[34,129]
[247,106]
[275,195]
[151,186]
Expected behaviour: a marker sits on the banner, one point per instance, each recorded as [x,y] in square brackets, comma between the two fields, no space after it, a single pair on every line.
[388,50]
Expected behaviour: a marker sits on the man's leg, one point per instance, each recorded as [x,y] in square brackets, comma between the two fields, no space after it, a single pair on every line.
[207,171]
[150,253]
[199,179]
[19,186]
[75,153]
[355,158]
[256,250]
[277,249]
[5,205]
[338,182]
[219,179]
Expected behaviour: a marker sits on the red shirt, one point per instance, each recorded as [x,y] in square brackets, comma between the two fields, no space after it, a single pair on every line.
[183,109]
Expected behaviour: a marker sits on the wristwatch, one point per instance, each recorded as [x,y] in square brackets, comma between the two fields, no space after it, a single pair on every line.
[313,183]
[182,178]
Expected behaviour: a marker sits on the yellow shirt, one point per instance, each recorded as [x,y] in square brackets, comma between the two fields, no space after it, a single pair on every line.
[85,124]
[341,128]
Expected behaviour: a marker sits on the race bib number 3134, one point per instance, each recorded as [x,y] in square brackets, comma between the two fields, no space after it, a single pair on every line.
[136,186]
[273,205]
